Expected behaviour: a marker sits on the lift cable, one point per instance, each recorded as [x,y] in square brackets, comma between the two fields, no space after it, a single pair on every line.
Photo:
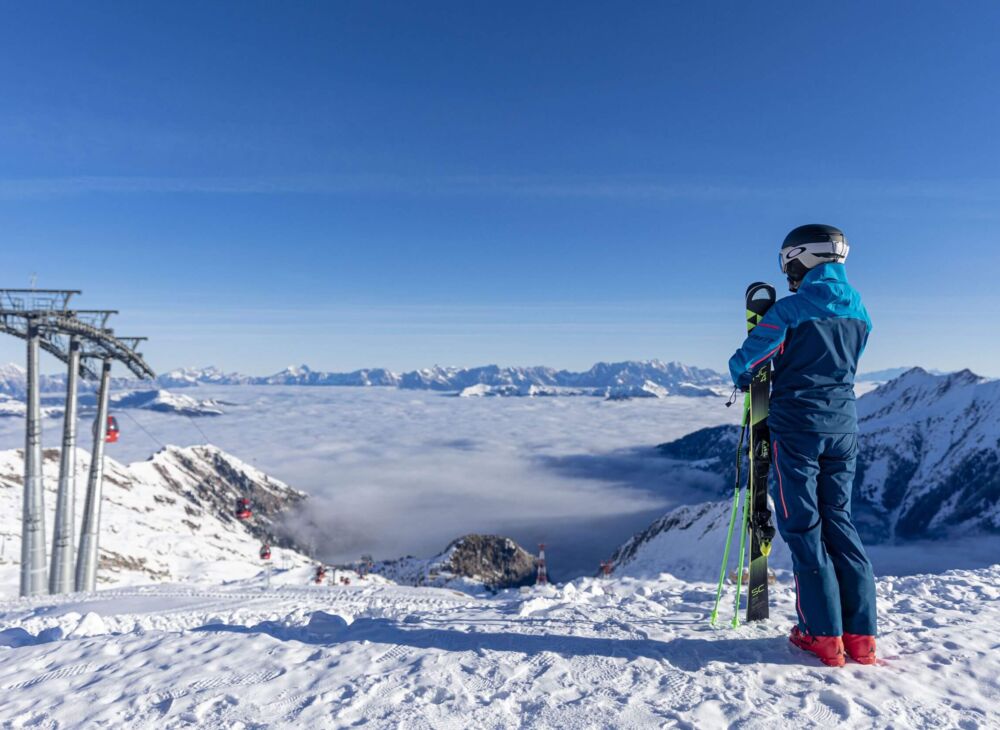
[143,429]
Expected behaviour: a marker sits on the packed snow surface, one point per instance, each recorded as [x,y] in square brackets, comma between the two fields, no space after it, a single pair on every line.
[623,653]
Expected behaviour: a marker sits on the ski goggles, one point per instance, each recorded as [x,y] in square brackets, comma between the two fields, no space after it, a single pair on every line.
[813,254]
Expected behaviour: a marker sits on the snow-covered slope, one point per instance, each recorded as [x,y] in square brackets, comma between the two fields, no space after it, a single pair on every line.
[928,462]
[619,653]
[686,542]
[930,453]
[169,518]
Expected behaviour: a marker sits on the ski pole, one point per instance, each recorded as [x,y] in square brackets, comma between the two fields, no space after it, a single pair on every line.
[743,539]
[732,522]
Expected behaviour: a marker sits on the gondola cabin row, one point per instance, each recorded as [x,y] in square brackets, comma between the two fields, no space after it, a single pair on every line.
[111,432]
[243,511]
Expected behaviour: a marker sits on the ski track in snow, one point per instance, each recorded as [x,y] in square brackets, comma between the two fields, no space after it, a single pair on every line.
[622,653]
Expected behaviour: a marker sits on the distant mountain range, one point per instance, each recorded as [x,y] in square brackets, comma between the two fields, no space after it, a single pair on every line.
[929,456]
[673,377]
[627,379]
[618,380]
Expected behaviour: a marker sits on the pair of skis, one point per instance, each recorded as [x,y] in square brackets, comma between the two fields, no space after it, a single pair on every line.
[755,524]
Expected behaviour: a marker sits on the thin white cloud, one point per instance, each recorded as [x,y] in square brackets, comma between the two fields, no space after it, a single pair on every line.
[545,186]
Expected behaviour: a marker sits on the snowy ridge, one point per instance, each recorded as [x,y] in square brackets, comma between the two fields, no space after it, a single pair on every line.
[302,375]
[163,401]
[687,542]
[169,518]
[928,461]
[11,407]
[930,453]
[472,563]
[187,377]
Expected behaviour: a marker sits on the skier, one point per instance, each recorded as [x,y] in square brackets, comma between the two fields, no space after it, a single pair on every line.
[814,340]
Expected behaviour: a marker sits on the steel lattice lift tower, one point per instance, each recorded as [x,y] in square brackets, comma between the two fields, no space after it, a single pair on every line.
[76,337]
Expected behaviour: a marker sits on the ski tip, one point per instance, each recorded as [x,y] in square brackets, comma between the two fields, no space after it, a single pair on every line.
[761,290]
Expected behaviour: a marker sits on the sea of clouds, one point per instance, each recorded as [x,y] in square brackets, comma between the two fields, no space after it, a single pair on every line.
[394,472]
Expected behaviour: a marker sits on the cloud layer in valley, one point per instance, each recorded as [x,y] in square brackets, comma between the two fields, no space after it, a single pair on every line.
[393,473]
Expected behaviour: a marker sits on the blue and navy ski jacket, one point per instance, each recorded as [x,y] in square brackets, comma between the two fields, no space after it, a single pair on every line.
[815,339]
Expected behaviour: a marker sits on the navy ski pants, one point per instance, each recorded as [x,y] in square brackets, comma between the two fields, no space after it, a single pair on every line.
[811,487]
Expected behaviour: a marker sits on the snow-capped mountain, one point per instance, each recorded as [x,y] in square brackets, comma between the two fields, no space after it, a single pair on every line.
[648,389]
[672,375]
[187,377]
[930,453]
[302,375]
[471,563]
[884,376]
[11,407]
[482,390]
[928,462]
[14,378]
[439,378]
[161,401]
[169,518]
[622,379]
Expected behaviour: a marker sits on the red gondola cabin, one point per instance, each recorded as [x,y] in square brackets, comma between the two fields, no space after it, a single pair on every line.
[265,552]
[320,574]
[243,509]
[111,435]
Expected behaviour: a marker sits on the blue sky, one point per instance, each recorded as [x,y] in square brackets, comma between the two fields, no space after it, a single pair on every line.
[402,184]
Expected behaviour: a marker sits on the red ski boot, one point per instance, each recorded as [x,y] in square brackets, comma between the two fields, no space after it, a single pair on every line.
[829,649]
[860,647]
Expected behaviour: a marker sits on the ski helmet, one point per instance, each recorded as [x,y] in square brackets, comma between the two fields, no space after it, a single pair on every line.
[806,247]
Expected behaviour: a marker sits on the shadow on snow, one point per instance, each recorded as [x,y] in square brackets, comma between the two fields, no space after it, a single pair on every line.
[686,654]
